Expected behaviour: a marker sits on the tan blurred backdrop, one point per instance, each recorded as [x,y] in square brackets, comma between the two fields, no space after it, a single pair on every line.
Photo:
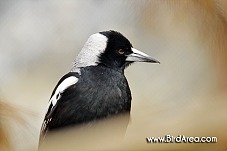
[185,94]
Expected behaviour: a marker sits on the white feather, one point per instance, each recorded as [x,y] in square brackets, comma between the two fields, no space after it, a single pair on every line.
[75,69]
[60,89]
[88,56]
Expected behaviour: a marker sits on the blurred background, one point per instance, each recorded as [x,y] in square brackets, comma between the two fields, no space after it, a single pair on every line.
[185,94]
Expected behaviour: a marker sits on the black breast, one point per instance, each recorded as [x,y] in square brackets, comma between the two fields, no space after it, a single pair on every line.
[100,92]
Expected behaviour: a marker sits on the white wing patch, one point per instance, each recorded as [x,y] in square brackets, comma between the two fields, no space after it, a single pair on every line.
[60,89]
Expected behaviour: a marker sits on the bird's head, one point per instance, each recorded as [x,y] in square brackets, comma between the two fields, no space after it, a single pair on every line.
[111,49]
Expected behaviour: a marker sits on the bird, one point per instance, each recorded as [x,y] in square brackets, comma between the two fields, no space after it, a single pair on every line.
[95,88]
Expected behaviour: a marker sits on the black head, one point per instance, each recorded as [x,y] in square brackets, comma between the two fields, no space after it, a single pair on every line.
[117,49]
[112,49]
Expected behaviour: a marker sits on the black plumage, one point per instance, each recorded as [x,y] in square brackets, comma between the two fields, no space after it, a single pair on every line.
[99,92]
[99,89]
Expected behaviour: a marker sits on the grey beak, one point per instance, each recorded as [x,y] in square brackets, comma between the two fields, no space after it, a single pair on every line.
[138,56]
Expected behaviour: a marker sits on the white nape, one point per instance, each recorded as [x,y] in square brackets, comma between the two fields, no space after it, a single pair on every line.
[88,56]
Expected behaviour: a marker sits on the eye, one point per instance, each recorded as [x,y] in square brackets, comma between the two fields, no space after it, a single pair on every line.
[120,51]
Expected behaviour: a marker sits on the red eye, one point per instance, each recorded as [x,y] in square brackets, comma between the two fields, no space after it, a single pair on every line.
[120,51]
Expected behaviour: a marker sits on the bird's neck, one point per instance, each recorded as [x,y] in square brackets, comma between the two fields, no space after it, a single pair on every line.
[109,67]
[99,66]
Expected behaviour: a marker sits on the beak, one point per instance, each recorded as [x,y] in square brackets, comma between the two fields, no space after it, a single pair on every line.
[138,56]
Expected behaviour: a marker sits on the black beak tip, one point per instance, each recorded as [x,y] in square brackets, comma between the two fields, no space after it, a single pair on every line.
[154,61]
[158,62]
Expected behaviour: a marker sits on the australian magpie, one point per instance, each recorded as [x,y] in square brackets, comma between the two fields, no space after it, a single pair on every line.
[96,87]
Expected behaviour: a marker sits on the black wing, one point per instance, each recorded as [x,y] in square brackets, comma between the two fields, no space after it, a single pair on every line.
[64,83]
